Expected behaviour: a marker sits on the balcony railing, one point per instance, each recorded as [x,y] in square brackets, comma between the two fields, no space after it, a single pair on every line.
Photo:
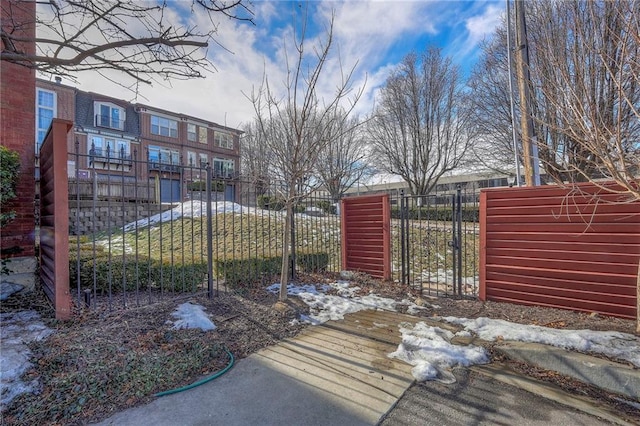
[99,155]
[164,167]
[109,122]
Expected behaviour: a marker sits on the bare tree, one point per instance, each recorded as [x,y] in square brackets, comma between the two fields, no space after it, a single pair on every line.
[489,103]
[590,91]
[143,40]
[588,94]
[342,162]
[420,130]
[296,127]
[255,158]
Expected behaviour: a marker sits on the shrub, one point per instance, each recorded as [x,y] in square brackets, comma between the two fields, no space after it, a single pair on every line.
[9,166]
[116,274]
[327,206]
[246,271]
[312,262]
[269,202]
[441,213]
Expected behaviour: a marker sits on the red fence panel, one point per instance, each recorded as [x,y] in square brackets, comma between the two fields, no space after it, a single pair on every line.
[366,235]
[54,217]
[562,248]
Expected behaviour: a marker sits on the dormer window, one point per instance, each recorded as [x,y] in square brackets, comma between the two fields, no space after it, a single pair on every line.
[109,115]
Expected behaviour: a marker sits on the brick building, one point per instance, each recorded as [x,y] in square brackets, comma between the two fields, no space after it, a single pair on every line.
[17,118]
[115,140]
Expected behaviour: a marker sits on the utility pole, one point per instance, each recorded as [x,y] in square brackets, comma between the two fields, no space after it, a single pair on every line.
[516,149]
[529,143]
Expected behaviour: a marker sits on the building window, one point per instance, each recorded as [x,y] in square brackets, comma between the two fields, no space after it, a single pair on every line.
[202,135]
[224,140]
[163,155]
[109,115]
[223,168]
[191,132]
[46,106]
[204,159]
[191,158]
[102,147]
[164,127]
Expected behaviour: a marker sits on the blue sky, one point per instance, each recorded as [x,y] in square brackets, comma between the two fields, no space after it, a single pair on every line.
[373,36]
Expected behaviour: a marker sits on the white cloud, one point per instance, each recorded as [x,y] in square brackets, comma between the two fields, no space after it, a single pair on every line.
[370,35]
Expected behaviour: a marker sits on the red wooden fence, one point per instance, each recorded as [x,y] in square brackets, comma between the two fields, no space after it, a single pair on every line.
[54,217]
[366,238]
[554,247]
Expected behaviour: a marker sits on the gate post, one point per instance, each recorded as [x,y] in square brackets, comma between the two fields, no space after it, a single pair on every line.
[403,224]
[458,231]
[209,234]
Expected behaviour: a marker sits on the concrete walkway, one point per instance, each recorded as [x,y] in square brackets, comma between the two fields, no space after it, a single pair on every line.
[334,374]
[339,374]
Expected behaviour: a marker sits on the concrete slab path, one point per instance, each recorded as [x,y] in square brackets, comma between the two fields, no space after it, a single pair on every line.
[333,374]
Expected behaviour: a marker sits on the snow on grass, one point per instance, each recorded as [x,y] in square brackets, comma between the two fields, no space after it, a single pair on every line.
[197,208]
[17,331]
[326,307]
[430,352]
[189,209]
[190,315]
[610,343]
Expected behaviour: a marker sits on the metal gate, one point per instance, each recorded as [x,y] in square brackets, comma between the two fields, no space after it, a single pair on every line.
[437,240]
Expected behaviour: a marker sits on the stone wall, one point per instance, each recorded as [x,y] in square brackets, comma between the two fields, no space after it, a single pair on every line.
[86,218]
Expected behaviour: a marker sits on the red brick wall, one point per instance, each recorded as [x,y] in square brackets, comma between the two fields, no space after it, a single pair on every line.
[17,116]
[548,246]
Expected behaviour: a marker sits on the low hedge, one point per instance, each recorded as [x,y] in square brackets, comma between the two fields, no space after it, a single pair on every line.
[240,272]
[444,213]
[116,274]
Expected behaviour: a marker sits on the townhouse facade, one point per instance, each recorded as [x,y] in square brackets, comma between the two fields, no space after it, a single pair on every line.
[118,141]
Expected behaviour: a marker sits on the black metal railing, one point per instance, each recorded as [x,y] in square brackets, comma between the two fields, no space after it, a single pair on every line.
[435,242]
[139,237]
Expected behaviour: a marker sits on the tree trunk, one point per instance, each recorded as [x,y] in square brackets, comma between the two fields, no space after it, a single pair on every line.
[284,271]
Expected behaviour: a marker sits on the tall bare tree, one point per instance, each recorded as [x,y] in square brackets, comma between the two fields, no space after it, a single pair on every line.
[588,96]
[255,158]
[489,105]
[420,130]
[144,40]
[590,92]
[343,161]
[296,127]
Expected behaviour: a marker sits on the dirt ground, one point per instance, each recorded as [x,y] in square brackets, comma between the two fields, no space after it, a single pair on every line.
[99,363]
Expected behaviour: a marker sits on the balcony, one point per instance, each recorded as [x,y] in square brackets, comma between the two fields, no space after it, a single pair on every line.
[99,155]
[109,122]
[164,167]
[225,174]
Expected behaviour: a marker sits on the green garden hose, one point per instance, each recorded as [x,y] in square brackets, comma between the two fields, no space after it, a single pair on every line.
[203,381]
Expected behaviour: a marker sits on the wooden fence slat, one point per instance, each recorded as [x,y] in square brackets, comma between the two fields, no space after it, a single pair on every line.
[366,235]
[551,247]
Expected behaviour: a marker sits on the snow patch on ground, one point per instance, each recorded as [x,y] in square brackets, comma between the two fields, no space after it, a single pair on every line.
[610,343]
[430,352]
[326,307]
[17,330]
[189,315]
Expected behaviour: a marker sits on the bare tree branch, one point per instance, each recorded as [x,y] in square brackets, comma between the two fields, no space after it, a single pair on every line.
[141,39]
